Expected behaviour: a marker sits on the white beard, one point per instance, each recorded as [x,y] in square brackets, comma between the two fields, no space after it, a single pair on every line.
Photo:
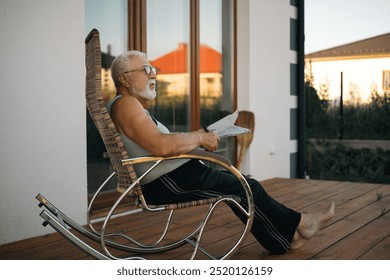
[147,93]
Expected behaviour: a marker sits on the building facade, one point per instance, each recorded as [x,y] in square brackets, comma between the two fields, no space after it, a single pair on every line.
[358,69]
[43,127]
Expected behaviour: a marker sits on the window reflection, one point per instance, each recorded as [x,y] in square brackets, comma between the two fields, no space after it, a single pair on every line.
[168,50]
[216,60]
[110,18]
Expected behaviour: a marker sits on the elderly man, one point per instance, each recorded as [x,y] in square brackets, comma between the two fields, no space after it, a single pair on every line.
[275,226]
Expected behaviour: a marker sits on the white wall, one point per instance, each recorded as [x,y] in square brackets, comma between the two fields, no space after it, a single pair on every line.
[42,113]
[264,58]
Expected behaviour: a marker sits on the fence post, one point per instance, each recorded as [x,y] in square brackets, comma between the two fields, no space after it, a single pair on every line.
[341,108]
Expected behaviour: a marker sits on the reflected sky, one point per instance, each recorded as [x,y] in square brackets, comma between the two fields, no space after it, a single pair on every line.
[169,34]
[110,18]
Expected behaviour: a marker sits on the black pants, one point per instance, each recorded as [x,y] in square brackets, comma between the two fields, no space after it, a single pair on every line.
[274,224]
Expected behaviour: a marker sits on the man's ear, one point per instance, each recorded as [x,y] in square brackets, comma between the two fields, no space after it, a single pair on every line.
[123,81]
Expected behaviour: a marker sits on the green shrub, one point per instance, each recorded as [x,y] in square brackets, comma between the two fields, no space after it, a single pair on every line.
[346,164]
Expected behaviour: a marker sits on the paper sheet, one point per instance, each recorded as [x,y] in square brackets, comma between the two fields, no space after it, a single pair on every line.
[225,127]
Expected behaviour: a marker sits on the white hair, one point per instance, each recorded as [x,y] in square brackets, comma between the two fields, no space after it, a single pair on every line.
[122,64]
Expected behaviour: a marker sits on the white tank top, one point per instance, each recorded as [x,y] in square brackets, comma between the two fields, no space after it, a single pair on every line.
[134,150]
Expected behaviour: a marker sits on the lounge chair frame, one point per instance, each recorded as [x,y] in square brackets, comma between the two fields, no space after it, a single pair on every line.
[129,186]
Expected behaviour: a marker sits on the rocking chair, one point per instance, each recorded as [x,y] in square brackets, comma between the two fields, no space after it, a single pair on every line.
[129,187]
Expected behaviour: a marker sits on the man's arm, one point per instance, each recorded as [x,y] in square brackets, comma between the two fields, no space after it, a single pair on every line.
[130,119]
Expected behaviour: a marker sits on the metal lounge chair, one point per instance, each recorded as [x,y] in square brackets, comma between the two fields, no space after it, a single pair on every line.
[129,186]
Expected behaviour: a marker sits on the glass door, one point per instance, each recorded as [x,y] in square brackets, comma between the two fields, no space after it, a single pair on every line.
[168,49]
[110,19]
[191,42]
[216,65]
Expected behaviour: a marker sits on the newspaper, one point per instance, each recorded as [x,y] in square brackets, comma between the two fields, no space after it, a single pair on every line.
[225,127]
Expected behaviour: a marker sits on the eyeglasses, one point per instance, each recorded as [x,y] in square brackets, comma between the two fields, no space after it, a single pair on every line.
[148,69]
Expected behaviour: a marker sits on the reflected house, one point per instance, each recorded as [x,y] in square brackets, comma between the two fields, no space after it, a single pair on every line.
[365,65]
[173,69]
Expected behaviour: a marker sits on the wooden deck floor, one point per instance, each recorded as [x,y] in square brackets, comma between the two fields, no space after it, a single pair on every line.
[359,230]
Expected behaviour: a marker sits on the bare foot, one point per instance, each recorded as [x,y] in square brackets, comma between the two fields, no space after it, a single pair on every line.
[311,223]
[297,241]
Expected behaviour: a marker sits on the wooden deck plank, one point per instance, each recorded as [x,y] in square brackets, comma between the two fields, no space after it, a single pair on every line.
[337,231]
[380,251]
[359,230]
[313,194]
[358,242]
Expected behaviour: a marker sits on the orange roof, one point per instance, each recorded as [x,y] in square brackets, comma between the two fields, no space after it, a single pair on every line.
[176,61]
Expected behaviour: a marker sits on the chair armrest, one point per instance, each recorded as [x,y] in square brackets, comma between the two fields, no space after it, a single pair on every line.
[207,154]
[195,154]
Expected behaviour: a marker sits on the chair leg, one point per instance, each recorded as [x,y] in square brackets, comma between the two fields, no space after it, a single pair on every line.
[197,240]
[59,227]
[59,221]
[65,221]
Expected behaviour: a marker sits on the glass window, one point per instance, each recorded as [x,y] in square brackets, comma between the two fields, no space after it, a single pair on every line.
[168,50]
[216,65]
[180,34]
[110,18]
